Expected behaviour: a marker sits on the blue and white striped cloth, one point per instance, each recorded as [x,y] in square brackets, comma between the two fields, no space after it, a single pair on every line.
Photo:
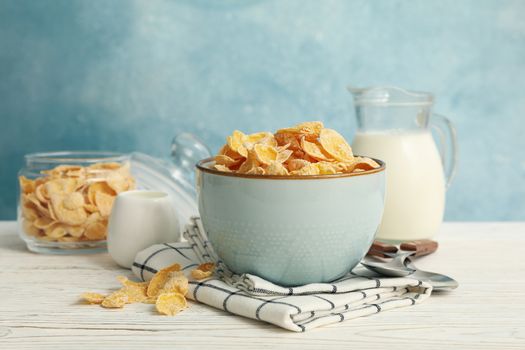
[360,293]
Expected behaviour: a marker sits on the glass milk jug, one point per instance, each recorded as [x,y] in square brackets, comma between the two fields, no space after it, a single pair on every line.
[395,125]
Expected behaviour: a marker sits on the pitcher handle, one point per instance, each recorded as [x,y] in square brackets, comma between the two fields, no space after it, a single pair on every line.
[448,145]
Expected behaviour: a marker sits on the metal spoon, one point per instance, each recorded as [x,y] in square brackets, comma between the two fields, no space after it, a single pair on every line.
[396,266]
[436,280]
[402,265]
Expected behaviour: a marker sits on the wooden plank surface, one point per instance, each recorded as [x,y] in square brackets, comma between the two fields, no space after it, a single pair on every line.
[39,305]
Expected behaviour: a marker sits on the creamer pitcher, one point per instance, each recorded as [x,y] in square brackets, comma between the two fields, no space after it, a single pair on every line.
[394,125]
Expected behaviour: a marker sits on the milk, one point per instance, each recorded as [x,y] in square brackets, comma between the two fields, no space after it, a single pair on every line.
[415,191]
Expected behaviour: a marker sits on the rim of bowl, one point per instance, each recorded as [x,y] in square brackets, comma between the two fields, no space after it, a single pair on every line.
[201,165]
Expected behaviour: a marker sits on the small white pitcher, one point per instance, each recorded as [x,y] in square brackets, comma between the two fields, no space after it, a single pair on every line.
[138,220]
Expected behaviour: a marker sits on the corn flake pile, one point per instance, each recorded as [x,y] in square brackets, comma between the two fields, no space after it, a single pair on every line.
[72,203]
[167,290]
[305,149]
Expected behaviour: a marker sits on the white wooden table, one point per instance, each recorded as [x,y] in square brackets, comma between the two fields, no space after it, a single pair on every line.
[39,305]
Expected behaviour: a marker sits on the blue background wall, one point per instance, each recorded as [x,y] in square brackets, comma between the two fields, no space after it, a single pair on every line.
[128,75]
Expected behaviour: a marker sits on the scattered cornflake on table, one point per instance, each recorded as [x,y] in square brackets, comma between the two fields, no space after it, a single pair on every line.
[93,298]
[167,290]
[171,303]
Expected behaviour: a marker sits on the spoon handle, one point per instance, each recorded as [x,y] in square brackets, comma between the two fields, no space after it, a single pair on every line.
[379,248]
[421,247]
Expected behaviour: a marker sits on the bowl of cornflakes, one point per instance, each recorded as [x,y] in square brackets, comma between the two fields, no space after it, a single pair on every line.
[66,198]
[294,207]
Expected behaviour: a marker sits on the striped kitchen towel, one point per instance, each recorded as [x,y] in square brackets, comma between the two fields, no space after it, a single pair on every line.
[360,293]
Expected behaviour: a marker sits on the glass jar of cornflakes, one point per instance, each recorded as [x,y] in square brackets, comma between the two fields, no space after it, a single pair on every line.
[66,199]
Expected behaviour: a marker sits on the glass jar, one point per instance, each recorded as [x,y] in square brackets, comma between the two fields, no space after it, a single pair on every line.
[66,198]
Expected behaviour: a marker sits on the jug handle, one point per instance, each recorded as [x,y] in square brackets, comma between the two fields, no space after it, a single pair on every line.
[448,145]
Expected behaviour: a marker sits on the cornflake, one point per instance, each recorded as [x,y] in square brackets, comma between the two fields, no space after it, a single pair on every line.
[171,303]
[203,271]
[176,283]
[93,298]
[159,280]
[115,300]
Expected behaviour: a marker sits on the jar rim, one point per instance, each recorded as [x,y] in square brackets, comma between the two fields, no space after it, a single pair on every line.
[62,157]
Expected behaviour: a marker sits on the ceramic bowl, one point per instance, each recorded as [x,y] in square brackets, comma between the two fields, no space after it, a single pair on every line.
[291,230]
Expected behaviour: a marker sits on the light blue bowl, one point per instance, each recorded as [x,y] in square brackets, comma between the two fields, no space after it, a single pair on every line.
[291,230]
